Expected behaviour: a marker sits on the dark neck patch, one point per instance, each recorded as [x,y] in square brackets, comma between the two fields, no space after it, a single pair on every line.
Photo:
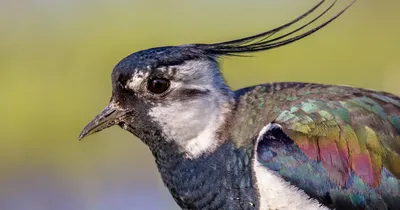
[221,180]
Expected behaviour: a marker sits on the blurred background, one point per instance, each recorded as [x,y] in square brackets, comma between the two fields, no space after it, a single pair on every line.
[56,58]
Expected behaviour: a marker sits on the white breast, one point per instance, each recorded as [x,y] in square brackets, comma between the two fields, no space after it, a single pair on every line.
[276,193]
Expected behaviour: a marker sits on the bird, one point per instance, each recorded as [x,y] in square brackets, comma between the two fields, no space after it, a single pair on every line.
[282,145]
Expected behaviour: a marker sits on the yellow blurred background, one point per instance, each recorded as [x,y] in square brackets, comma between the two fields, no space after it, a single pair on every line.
[56,58]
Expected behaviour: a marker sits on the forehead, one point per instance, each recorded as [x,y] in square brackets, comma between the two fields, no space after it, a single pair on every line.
[143,61]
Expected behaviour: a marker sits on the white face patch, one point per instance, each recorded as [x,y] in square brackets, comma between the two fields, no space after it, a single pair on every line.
[275,192]
[193,123]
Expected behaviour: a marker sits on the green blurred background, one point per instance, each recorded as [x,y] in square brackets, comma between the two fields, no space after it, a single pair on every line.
[56,57]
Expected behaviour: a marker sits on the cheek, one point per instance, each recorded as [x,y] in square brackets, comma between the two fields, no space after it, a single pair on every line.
[188,97]
[190,110]
[184,118]
[200,111]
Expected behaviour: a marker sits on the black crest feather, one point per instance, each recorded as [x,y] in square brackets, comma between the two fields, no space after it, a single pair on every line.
[266,40]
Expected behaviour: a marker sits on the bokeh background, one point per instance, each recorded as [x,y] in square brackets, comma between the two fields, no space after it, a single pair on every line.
[56,57]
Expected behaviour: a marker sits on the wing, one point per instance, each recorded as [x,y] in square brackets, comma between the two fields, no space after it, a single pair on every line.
[339,144]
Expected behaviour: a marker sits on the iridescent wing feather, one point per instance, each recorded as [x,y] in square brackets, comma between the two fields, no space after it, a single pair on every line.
[339,144]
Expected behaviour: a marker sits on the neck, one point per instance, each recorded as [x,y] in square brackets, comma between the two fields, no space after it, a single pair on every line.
[221,180]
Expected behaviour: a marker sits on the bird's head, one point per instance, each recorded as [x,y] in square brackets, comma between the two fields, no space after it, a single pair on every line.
[177,96]
[176,93]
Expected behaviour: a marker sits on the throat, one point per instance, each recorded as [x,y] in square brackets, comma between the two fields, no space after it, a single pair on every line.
[219,180]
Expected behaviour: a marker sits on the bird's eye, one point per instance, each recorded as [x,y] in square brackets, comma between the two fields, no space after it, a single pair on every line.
[158,85]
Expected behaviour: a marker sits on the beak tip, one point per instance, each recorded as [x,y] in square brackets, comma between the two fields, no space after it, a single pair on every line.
[106,118]
[82,135]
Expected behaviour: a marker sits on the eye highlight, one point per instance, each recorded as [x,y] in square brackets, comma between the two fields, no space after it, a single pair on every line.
[158,85]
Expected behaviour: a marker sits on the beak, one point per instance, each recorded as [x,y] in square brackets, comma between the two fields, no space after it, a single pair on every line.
[108,117]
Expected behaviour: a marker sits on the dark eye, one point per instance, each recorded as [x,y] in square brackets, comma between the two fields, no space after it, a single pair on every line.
[158,85]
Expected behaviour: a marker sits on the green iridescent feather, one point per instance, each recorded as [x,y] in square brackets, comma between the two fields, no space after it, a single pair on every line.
[352,133]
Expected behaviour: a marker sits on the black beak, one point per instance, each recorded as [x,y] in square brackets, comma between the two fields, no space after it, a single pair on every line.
[108,117]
